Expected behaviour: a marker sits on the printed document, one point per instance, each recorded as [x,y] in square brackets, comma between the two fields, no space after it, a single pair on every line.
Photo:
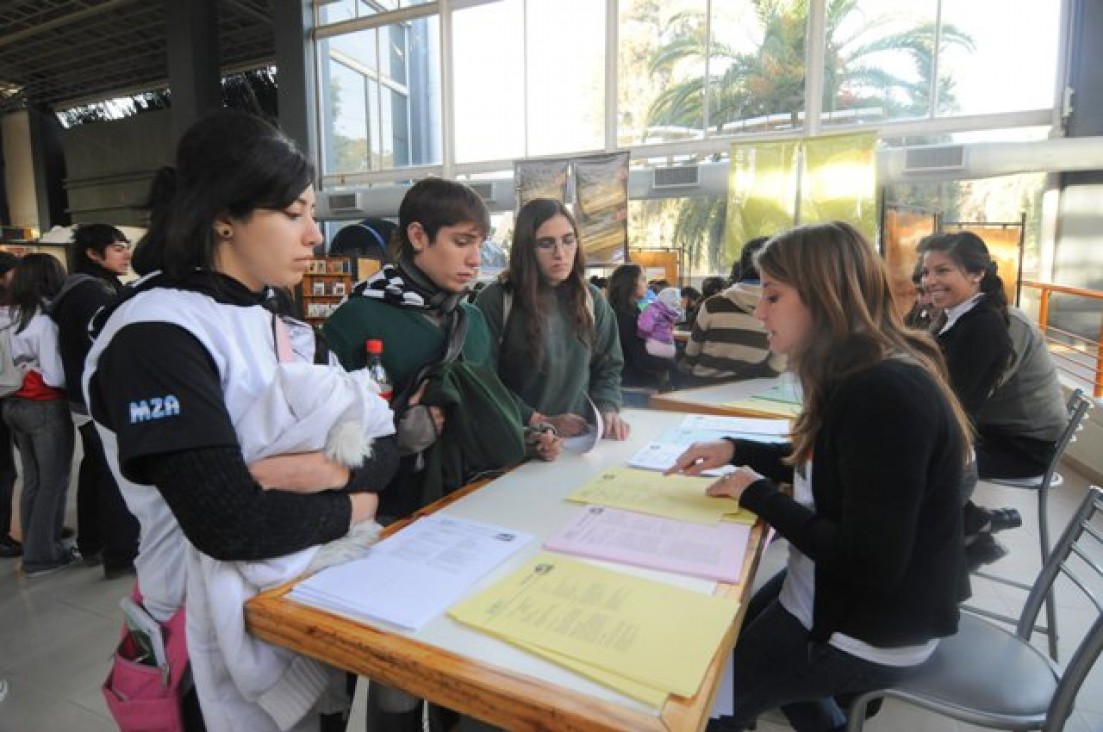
[652,633]
[713,552]
[409,578]
[675,496]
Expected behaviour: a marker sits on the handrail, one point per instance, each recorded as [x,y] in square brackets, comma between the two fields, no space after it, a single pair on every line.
[1046,289]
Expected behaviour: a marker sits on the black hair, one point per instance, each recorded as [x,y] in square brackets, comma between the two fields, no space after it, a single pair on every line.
[744,269]
[971,254]
[435,203]
[97,237]
[691,293]
[227,164]
[35,280]
[622,288]
[712,285]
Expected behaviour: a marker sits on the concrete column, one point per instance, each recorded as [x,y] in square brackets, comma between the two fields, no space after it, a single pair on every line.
[292,23]
[191,29]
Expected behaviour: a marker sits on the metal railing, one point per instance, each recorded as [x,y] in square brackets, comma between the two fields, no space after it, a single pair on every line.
[1078,356]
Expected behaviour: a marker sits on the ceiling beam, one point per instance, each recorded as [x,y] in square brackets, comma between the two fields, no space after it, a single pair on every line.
[62,21]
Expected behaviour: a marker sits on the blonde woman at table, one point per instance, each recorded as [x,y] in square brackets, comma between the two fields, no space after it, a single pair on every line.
[876,566]
[554,335]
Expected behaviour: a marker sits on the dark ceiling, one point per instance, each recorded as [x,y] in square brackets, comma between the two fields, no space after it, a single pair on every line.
[54,52]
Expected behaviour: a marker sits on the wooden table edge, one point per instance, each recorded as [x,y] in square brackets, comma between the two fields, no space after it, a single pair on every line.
[486,692]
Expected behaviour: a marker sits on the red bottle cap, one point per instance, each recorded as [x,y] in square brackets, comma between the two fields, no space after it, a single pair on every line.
[375,346]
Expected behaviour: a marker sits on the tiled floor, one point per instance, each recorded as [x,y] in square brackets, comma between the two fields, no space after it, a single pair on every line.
[57,632]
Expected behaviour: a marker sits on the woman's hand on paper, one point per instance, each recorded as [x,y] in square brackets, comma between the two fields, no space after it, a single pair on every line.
[732,485]
[703,456]
[615,426]
[567,425]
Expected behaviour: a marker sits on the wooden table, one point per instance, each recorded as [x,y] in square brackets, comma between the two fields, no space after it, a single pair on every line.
[715,399]
[478,675]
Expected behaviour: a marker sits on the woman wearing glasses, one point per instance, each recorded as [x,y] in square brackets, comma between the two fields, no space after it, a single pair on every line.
[554,335]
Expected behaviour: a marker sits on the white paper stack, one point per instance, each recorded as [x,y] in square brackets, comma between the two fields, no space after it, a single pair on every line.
[415,575]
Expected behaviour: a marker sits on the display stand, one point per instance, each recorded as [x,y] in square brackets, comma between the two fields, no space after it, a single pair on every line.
[327,282]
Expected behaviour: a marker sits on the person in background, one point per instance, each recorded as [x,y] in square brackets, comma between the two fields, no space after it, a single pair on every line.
[641,369]
[727,342]
[656,323]
[657,285]
[601,283]
[9,547]
[38,416]
[418,307]
[106,530]
[922,313]
[874,576]
[554,336]
[691,302]
[1000,370]
[179,361]
[712,285]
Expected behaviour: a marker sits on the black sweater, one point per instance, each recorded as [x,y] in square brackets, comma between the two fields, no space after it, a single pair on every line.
[72,309]
[977,350]
[885,535]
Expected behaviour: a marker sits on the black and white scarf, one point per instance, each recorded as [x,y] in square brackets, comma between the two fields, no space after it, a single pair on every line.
[405,285]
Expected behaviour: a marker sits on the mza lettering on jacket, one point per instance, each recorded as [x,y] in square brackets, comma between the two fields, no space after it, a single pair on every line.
[145,410]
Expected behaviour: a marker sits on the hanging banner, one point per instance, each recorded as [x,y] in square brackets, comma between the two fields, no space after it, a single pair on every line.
[762,193]
[540,179]
[840,181]
[601,188]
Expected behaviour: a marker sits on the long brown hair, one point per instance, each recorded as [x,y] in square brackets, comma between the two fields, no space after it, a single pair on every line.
[527,282]
[855,325]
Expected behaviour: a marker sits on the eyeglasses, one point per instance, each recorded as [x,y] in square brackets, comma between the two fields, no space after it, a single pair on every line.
[550,243]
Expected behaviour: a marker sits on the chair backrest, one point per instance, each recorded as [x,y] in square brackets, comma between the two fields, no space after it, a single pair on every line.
[1077,406]
[1078,555]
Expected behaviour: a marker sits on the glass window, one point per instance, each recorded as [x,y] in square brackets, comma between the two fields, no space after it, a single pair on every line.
[392,130]
[335,11]
[489,79]
[754,73]
[346,115]
[566,76]
[546,99]
[878,61]
[1008,66]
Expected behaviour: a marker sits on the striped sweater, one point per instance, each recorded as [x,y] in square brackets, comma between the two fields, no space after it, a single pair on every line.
[727,342]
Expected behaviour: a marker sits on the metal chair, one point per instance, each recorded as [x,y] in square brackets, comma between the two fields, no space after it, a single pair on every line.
[988,676]
[1077,405]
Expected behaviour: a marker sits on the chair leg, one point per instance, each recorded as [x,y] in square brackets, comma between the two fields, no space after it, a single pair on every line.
[1043,533]
[856,713]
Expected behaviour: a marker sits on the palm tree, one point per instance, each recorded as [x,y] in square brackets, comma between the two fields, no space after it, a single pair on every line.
[764,88]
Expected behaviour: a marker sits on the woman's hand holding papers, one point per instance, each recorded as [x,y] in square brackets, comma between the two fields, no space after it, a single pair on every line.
[701,456]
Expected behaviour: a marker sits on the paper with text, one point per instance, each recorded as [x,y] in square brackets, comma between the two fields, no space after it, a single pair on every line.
[656,634]
[675,496]
[713,552]
[414,575]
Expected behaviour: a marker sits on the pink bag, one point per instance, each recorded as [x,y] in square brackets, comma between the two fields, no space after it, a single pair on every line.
[143,698]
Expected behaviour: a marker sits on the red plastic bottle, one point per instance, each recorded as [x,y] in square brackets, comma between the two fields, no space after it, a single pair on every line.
[376,371]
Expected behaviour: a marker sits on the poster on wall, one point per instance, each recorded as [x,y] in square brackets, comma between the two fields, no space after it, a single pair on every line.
[762,193]
[601,187]
[839,181]
[904,229]
[540,179]
[1005,244]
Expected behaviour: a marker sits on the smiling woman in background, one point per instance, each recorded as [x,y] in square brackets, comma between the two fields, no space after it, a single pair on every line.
[555,335]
